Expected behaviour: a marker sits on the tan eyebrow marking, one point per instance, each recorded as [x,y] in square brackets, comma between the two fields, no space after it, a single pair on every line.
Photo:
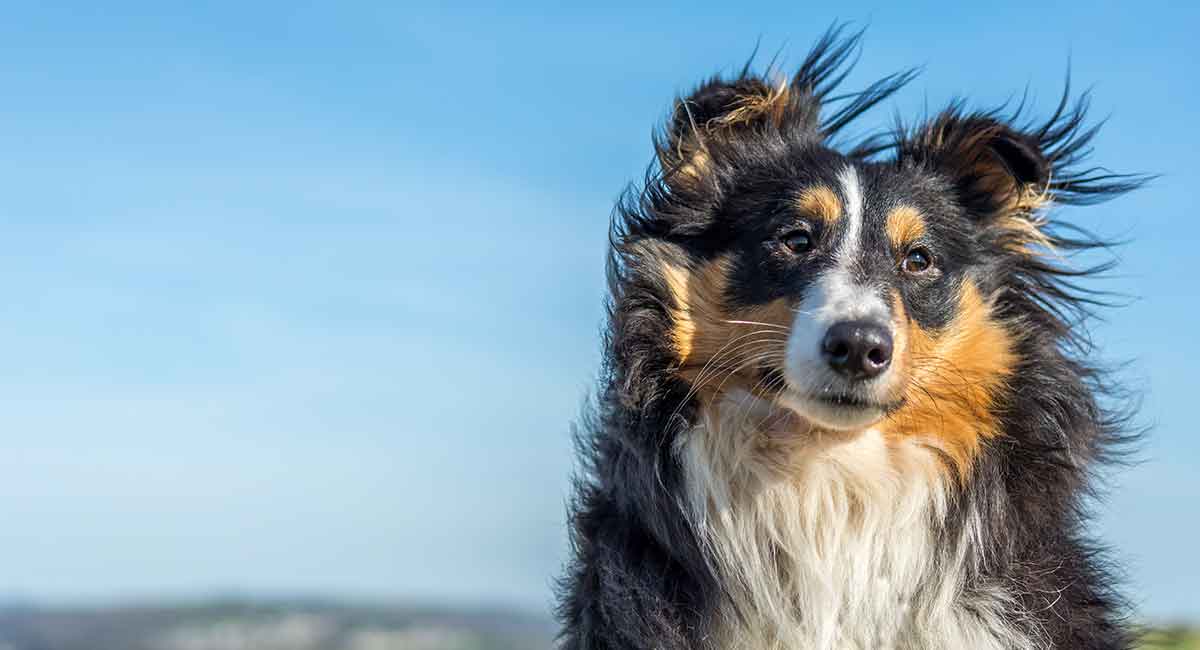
[904,225]
[819,201]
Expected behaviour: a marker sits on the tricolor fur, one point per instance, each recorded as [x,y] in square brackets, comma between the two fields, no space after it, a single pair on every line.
[847,401]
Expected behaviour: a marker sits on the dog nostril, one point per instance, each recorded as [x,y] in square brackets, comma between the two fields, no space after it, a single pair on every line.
[840,351]
[877,357]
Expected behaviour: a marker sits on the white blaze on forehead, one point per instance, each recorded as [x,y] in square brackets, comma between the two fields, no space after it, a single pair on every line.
[852,191]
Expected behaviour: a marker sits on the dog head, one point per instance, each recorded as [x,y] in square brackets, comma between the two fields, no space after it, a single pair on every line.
[855,291]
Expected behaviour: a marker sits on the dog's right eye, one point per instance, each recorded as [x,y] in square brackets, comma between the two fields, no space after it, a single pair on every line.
[798,241]
[918,260]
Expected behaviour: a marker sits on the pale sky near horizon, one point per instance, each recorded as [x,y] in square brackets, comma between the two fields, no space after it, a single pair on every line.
[302,298]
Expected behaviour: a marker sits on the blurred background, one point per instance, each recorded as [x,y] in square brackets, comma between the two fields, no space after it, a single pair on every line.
[300,299]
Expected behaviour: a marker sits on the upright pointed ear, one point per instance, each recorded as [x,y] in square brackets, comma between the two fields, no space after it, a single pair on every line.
[997,170]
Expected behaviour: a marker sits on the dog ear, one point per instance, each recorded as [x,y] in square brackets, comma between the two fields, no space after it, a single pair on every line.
[997,170]
[720,110]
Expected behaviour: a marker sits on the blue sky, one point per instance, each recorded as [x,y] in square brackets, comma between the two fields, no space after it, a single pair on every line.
[304,298]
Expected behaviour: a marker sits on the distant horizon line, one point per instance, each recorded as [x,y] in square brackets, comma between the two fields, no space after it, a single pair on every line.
[268,598]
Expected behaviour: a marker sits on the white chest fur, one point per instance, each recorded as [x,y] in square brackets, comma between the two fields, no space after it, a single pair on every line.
[832,541]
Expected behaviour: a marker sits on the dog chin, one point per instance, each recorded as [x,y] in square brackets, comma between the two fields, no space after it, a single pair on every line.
[833,414]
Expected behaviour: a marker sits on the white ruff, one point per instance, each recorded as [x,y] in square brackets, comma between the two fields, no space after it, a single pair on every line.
[830,541]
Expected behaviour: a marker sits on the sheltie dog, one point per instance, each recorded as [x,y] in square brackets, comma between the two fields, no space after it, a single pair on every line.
[847,400]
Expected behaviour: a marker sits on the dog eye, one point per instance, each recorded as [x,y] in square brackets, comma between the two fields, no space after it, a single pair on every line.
[918,260]
[798,241]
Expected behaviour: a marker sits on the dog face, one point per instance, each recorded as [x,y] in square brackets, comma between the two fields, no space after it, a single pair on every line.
[857,294]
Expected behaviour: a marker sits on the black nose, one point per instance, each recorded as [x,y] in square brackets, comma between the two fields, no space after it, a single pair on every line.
[858,349]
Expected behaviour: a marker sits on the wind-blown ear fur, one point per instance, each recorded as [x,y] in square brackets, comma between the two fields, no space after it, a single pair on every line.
[1002,170]
[724,109]
[996,169]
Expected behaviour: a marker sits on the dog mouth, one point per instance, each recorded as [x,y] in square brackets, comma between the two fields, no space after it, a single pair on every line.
[837,410]
[846,400]
[831,407]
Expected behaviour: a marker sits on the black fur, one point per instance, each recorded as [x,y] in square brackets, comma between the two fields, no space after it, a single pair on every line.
[638,577]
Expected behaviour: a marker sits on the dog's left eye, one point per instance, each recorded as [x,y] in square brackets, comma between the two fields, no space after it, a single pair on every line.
[918,260]
[798,241]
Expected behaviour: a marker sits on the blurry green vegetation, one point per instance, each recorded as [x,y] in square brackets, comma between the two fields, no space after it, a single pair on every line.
[1175,637]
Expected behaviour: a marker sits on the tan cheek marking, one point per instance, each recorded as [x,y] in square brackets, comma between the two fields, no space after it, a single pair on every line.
[820,202]
[904,225]
[683,329]
[698,311]
[768,326]
[954,378]
[705,330]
